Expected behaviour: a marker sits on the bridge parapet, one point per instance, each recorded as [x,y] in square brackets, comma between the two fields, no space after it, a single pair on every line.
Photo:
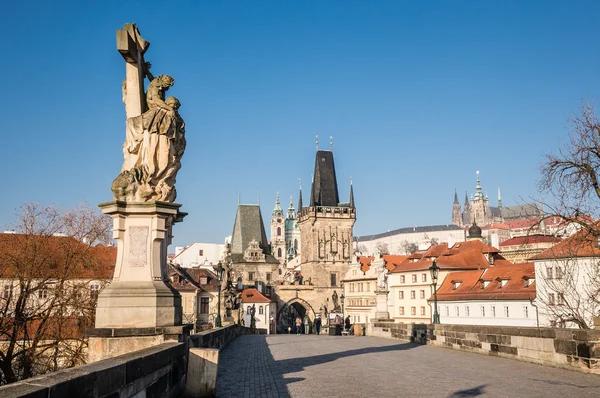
[573,349]
[157,371]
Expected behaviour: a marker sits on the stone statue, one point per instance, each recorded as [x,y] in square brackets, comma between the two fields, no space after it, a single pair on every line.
[155,133]
[334,300]
[381,279]
[252,319]
[379,265]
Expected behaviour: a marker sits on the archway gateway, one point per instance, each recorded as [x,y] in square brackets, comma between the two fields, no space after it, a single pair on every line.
[296,307]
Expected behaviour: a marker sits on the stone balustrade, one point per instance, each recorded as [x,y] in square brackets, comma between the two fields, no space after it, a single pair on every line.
[574,349]
[158,371]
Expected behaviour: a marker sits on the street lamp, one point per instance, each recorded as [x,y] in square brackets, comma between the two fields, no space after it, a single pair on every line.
[219,270]
[342,297]
[435,270]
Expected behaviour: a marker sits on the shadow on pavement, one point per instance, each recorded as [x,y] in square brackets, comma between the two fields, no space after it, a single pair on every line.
[471,392]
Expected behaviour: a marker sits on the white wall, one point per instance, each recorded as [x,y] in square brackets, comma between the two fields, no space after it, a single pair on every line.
[517,316]
[191,257]
[423,239]
[262,320]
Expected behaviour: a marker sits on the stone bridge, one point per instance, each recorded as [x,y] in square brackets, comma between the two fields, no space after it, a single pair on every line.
[313,366]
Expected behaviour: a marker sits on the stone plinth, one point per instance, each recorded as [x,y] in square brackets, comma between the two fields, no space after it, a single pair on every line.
[382,304]
[138,296]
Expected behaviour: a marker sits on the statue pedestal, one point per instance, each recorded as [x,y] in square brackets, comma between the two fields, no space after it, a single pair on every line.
[138,306]
[381,311]
[138,296]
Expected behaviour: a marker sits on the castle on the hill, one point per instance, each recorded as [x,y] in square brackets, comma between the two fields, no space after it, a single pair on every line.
[478,211]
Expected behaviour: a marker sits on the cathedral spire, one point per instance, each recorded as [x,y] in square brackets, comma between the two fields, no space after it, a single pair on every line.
[455,197]
[300,198]
[466,199]
[499,199]
[478,190]
[277,210]
[351,194]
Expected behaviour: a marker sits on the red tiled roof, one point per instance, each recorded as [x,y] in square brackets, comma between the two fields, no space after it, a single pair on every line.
[472,286]
[252,295]
[531,239]
[391,261]
[55,256]
[582,244]
[436,250]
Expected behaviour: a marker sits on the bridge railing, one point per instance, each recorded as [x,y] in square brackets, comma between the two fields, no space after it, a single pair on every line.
[158,371]
[574,349]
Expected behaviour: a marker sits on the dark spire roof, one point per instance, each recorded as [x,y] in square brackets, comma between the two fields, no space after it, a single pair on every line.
[455,198]
[300,200]
[466,199]
[324,187]
[474,231]
[351,194]
[248,225]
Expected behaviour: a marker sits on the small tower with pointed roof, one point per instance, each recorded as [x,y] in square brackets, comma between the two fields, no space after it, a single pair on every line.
[278,232]
[292,233]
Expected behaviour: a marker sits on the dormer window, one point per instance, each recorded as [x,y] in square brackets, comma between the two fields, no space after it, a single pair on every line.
[485,284]
[502,283]
[455,284]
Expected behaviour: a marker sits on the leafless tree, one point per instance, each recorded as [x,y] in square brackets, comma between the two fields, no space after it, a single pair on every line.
[382,248]
[408,247]
[570,181]
[46,267]
[570,177]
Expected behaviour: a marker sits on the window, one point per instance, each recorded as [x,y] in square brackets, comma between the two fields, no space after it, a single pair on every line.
[261,310]
[204,305]
[368,287]
[412,294]
[268,276]
[560,299]
[204,280]
[422,294]
[549,272]
[278,231]
[558,273]
[457,311]
[551,299]
[493,310]
[201,252]
[402,279]
[401,295]
[43,294]
[359,319]
[423,277]
[413,310]
[94,290]
[401,310]
[279,252]
[447,311]
[525,311]
[467,310]
[249,310]
[422,310]
[506,311]
[280,272]
[414,278]
[7,289]
[333,279]
[250,276]
[482,310]
[351,287]
[296,244]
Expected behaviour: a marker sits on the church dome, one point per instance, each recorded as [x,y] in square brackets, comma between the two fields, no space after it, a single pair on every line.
[474,231]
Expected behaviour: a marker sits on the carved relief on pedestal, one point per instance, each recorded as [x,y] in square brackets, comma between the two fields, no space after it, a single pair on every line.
[138,252]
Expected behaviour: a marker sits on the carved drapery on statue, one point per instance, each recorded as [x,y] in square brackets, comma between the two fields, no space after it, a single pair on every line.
[155,139]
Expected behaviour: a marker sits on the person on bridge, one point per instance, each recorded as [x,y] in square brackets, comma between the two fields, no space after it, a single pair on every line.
[298,325]
[347,323]
[318,324]
[306,324]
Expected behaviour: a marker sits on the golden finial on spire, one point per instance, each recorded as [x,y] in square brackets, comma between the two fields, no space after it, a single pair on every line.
[331,142]
[317,142]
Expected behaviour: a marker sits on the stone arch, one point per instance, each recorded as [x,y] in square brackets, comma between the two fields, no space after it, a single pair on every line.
[298,306]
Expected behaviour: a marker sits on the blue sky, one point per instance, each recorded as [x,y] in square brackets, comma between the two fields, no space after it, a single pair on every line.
[417,95]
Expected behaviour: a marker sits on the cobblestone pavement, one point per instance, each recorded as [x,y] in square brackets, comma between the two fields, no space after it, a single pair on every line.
[314,366]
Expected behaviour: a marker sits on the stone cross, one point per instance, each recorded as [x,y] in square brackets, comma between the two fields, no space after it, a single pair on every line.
[132,47]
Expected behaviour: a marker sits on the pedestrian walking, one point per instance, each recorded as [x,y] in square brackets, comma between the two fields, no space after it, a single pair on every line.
[298,325]
[347,323]
[318,324]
